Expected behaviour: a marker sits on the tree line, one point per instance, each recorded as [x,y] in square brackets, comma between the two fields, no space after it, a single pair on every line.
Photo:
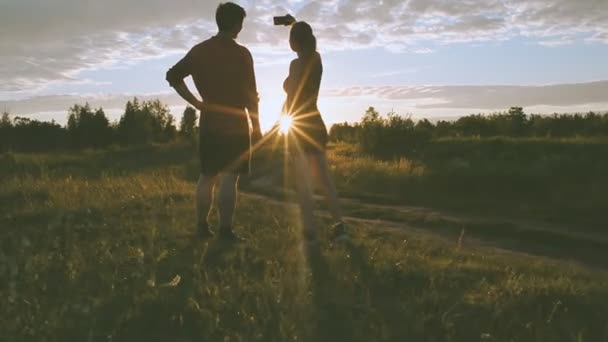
[142,122]
[395,134]
[385,136]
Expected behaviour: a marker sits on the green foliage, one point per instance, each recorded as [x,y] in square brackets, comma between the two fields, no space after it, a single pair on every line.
[5,121]
[141,123]
[147,122]
[398,135]
[391,136]
[344,132]
[187,126]
[5,131]
[88,128]
[31,135]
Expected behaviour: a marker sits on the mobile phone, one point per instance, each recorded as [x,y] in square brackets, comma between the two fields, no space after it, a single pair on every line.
[284,20]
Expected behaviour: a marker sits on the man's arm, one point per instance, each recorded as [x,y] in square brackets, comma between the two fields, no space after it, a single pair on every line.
[252,98]
[182,89]
[176,75]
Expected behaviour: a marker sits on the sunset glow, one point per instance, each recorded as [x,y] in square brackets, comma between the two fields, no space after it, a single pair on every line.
[285,123]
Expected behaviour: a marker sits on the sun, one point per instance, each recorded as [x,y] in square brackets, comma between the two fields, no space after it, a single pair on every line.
[285,122]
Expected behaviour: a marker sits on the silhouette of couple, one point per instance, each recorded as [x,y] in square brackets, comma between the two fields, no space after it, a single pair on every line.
[223,74]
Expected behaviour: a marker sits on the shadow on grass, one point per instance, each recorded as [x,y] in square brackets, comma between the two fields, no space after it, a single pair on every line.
[329,316]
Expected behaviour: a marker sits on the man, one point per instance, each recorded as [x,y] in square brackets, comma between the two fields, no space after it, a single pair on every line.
[223,74]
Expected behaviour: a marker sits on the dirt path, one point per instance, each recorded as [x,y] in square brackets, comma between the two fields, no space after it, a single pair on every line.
[505,236]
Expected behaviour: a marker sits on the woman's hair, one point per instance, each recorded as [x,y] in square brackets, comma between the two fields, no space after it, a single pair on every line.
[301,33]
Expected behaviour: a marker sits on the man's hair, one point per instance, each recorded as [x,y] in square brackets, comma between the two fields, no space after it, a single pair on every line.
[228,15]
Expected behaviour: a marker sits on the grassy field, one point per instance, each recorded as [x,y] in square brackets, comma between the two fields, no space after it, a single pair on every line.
[552,180]
[97,246]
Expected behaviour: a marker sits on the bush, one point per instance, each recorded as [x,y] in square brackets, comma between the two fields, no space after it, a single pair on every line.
[395,135]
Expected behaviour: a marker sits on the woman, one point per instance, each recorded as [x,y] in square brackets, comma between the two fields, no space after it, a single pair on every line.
[307,137]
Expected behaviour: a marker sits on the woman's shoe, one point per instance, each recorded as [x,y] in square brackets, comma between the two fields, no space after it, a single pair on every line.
[339,232]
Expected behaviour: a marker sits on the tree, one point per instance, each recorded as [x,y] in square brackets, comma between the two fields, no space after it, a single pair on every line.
[169,130]
[371,128]
[163,123]
[518,121]
[5,131]
[131,129]
[32,135]
[150,121]
[371,116]
[188,122]
[344,132]
[5,121]
[88,128]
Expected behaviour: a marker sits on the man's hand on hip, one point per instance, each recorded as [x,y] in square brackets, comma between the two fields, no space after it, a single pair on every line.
[199,105]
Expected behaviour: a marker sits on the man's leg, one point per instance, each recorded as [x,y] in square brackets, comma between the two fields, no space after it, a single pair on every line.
[204,199]
[226,202]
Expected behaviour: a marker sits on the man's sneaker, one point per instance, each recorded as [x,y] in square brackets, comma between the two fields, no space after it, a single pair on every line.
[310,241]
[339,233]
[203,232]
[228,235]
[310,236]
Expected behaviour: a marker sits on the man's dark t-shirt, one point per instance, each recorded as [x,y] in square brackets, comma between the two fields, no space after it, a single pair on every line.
[223,74]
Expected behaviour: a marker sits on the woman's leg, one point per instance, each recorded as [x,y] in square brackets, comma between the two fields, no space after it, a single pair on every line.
[324,176]
[304,190]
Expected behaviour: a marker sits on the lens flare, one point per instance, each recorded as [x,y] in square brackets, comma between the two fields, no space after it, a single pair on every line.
[285,123]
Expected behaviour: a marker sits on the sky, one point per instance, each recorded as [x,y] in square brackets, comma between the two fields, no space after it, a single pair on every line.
[425,58]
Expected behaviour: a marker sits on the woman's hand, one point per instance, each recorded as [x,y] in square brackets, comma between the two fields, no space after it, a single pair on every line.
[289,20]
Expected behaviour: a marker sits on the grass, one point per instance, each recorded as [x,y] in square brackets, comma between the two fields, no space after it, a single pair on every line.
[98,247]
[552,180]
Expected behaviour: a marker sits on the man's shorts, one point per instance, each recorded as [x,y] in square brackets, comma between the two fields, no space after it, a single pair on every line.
[224,152]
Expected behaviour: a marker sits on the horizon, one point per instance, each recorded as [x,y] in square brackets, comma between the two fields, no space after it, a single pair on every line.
[114,115]
[431,59]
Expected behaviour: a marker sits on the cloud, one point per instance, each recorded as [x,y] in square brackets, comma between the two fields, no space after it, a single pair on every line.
[484,97]
[52,41]
[42,41]
[61,103]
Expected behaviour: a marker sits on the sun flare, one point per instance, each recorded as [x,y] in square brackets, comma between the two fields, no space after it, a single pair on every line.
[285,123]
